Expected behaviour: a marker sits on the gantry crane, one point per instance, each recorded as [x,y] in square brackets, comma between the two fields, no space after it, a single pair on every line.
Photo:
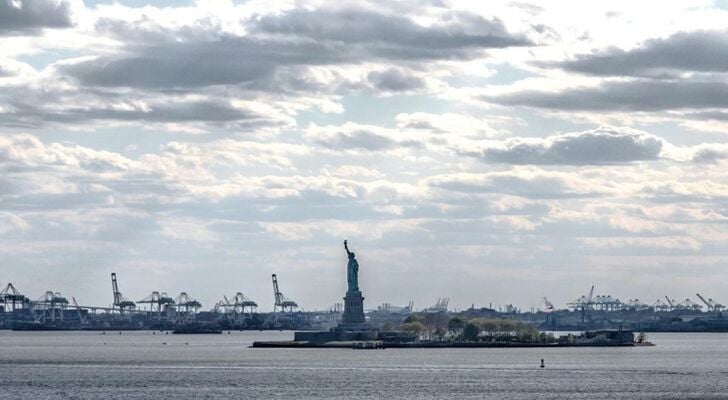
[240,304]
[281,302]
[11,296]
[158,302]
[548,309]
[587,305]
[81,318]
[120,302]
[712,305]
[548,306]
[50,306]
[672,306]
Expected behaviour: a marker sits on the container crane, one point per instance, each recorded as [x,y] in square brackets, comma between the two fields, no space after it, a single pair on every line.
[187,302]
[11,296]
[712,305]
[242,304]
[548,306]
[587,305]
[50,306]
[548,309]
[158,302]
[119,300]
[81,318]
[672,306]
[281,302]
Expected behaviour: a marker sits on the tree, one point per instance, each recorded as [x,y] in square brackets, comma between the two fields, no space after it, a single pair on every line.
[416,328]
[434,322]
[456,325]
[489,326]
[413,318]
[471,332]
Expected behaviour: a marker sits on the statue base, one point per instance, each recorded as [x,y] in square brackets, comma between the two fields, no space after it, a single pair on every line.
[353,310]
[353,326]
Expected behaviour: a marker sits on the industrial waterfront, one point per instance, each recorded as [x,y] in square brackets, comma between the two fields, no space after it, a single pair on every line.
[160,311]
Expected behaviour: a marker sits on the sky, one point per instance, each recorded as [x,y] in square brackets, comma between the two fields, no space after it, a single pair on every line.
[490,152]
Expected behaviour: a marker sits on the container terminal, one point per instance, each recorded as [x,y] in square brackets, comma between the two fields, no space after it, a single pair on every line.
[184,314]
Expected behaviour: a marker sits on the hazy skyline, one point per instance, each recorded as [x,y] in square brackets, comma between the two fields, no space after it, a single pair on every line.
[489,152]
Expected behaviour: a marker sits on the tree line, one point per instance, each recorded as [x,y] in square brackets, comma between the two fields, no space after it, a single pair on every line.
[438,326]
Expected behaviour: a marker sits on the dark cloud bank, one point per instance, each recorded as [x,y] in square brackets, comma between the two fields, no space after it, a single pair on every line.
[599,146]
[29,16]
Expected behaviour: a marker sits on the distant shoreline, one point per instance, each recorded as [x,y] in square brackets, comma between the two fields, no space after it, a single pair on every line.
[432,345]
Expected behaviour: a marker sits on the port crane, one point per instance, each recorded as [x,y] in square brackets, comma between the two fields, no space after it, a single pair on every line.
[583,304]
[242,304]
[672,306]
[548,306]
[120,302]
[81,318]
[691,306]
[548,309]
[586,304]
[187,303]
[661,306]
[50,306]
[281,302]
[158,302]
[11,296]
[440,306]
[712,305]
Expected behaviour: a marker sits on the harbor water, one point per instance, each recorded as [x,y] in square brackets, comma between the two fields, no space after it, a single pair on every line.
[143,365]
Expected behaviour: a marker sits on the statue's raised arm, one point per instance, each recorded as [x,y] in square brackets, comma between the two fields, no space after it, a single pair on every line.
[352,270]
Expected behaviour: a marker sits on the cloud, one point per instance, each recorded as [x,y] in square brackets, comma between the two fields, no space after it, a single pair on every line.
[24,152]
[605,145]
[696,51]
[628,96]
[450,124]
[332,119]
[276,45]
[29,16]
[241,63]
[710,152]
[215,112]
[196,63]
[395,80]
[525,183]
[389,36]
[351,136]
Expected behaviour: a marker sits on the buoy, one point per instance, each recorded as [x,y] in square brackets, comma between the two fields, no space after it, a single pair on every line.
[542,364]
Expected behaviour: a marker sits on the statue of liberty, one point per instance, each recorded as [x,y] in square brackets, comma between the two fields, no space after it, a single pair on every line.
[352,270]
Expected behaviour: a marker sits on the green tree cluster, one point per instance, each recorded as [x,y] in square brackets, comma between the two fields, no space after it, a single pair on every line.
[494,330]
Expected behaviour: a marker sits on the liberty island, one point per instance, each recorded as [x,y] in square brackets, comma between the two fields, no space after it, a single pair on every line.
[355,331]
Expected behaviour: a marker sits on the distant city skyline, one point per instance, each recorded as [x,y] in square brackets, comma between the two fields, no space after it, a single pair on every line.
[488,152]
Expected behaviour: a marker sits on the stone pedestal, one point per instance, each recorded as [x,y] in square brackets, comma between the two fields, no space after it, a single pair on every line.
[353,318]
